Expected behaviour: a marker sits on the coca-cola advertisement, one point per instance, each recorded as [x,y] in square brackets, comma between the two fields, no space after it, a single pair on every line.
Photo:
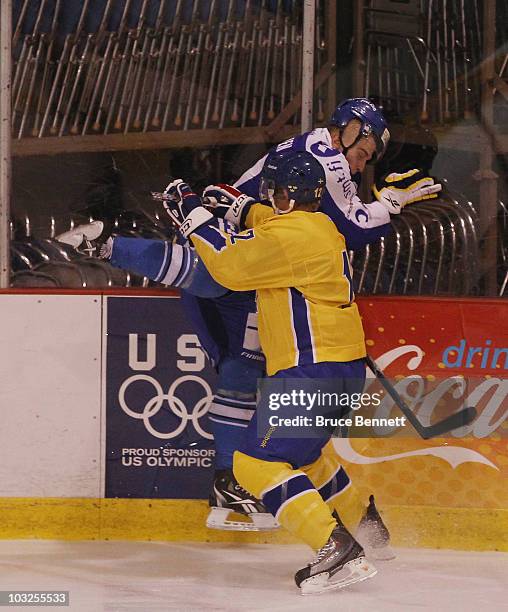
[458,350]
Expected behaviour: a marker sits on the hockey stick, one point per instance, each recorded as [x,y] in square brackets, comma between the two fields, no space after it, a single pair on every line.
[459,419]
[163,197]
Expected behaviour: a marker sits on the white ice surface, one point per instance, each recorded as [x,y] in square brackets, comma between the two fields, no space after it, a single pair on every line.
[149,576]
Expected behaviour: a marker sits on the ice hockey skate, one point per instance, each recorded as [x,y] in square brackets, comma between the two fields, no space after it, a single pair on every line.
[92,239]
[339,563]
[373,534]
[228,497]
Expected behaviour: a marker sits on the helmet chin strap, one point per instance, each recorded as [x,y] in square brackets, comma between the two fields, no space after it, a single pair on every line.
[278,211]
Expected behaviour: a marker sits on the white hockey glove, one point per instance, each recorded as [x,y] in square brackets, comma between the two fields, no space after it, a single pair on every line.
[398,190]
[94,239]
[184,207]
[227,202]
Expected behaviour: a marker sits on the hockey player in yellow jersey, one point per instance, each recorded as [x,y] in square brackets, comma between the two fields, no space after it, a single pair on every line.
[299,266]
[309,328]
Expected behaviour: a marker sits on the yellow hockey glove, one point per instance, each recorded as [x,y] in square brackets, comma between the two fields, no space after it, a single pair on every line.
[398,190]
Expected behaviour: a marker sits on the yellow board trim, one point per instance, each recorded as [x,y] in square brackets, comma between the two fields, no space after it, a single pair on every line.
[177,520]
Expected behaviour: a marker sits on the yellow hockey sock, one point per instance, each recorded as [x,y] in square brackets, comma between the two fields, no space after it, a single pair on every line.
[336,488]
[289,495]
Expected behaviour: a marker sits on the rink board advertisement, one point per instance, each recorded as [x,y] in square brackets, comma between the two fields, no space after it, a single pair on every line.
[158,389]
[153,369]
[439,339]
[113,404]
[50,395]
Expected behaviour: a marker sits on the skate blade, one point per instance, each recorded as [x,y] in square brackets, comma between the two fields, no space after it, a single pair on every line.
[217,519]
[264,521]
[354,571]
[232,526]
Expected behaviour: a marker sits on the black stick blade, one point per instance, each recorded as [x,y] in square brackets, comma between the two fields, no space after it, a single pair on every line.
[454,421]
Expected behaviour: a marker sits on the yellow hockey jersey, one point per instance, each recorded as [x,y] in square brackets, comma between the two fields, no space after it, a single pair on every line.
[258,213]
[299,266]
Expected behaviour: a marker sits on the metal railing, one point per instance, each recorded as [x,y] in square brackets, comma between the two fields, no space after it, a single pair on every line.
[119,67]
[433,249]
[423,57]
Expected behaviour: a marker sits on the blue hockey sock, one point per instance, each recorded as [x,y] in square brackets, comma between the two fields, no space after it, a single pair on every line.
[232,408]
[227,438]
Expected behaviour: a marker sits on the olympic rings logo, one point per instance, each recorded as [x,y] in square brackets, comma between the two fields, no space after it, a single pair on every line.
[175,404]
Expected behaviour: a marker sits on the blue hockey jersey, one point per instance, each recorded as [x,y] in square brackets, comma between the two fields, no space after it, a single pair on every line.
[359,223]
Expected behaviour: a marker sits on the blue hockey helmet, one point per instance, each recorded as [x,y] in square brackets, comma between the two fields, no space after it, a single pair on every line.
[372,122]
[298,172]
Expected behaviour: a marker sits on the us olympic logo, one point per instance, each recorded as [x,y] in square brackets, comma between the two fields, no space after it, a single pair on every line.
[175,404]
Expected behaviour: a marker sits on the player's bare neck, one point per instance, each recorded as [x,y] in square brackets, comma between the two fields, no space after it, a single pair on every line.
[312,207]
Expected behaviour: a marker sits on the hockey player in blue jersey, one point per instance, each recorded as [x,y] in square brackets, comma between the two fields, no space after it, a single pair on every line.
[357,135]
[225,322]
